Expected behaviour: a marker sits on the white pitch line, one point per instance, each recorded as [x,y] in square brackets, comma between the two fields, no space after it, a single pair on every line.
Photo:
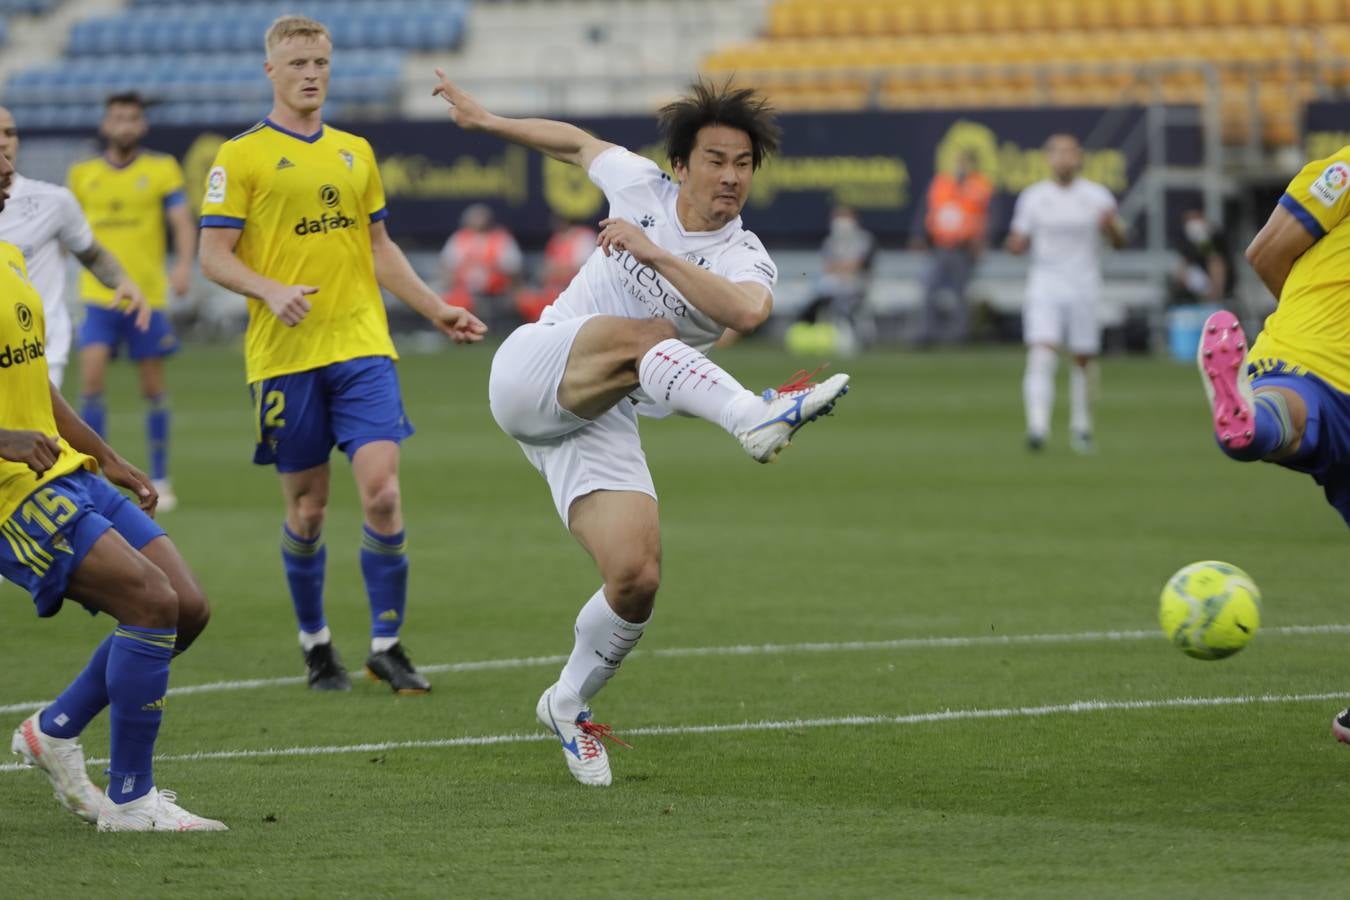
[1077,707]
[925,643]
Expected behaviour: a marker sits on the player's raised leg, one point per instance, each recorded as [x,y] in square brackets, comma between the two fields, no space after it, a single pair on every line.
[621,531]
[612,356]
[304,558]
[384,565]
[1248,425]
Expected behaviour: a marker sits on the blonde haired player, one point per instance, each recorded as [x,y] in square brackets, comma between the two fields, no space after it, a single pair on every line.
[294,220]
[1059,220]
[1288,401]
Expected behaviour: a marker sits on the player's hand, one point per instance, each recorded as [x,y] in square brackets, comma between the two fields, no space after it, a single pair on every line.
[458,324]
[124,474]
[32,448]
[288,302]
[180,279]
[617,235]
[133,303]
[464,110]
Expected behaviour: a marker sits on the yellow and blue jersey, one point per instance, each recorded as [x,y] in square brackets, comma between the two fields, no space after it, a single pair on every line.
[125,206]
[1310,329]
[304,205]
[25,393]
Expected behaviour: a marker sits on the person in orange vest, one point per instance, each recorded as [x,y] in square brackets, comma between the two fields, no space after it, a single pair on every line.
[955,220]
[482,263]
[568,248]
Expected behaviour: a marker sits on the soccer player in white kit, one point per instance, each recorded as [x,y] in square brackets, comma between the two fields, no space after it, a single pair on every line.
[674,269]
[1060,219]
[43,219]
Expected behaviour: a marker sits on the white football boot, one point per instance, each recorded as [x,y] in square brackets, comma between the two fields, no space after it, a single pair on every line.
[582,746]
[156,811]
[786,410]
[168,500]
[62,761]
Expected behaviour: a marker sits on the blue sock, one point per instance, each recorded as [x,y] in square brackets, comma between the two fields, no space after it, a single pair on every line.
[94,413]
[384,563]
[68,714]
[1271,429]
[157,436]
[138,678]
[304,562]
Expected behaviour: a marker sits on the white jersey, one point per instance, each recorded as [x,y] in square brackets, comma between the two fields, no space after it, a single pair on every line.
[618,285]
[41,219]
[1064,225]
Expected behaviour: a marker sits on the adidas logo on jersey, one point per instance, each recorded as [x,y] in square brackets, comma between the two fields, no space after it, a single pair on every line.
[284,163]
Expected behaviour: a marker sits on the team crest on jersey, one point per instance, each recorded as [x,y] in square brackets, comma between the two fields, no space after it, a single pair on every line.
[347,158]
[215,185]
[647,221]
[1331,184]
[143,182]
[25,316]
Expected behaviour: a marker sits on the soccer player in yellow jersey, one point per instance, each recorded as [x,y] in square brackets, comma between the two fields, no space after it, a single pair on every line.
[294,219]
[128,193]
[68,533]
[1288,400]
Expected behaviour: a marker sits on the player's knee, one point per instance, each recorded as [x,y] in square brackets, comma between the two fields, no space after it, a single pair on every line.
[633,587]
[308,511]
[382,501]
[194,610]
[648,333]
[156,601]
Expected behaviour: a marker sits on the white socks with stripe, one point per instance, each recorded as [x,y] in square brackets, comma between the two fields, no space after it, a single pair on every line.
[1038,389]
[603,640]
[682,379]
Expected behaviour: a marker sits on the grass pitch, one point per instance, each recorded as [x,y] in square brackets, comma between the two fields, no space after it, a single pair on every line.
[854,761]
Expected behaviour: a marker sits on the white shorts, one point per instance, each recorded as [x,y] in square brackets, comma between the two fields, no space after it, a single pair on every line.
[576,456]
[58,337]
[1069,323]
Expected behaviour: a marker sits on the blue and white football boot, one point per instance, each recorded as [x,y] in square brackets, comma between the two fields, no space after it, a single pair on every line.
[787,408]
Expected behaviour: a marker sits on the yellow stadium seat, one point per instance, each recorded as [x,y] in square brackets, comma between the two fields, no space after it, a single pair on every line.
[999,16]
[1327,11]
[1258,12]
[1161,13]
[1032,15]
[1293,12]
[1064,15]
[1198,13]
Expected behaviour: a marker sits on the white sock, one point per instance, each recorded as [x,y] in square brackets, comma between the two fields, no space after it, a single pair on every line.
[1080,398]
[1038,389]
[680,378]
[603,640]
[310,641]
[381,644]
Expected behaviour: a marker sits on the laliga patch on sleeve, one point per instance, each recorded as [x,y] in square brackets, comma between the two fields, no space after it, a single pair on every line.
[1331,184]
[215,185]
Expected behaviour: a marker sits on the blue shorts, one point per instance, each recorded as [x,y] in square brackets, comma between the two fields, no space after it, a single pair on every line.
[300,417]
[48,536]
[112,328]
[1325,450]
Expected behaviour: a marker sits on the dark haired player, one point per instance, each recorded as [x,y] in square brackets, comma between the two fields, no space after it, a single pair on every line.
[675,269]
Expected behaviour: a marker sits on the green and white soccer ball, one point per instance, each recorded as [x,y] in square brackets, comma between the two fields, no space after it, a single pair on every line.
[1210,609]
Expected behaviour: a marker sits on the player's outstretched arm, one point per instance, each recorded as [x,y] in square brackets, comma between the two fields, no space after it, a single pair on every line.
[116,469]
[742,307]
[1272,253]
[109,272]
[557,139]
[286,301]
[396,275]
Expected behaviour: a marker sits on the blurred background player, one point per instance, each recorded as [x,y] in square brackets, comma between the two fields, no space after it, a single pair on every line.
[42,220]
[676,268]
[319,358]
[128,193]
[1061,220]
[1204,271]
[482,264]
[954,224]
[1288,401]
[568,247]
[69,533]
[833,320]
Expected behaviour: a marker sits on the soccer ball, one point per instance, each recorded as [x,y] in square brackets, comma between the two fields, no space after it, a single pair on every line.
[1210,609]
